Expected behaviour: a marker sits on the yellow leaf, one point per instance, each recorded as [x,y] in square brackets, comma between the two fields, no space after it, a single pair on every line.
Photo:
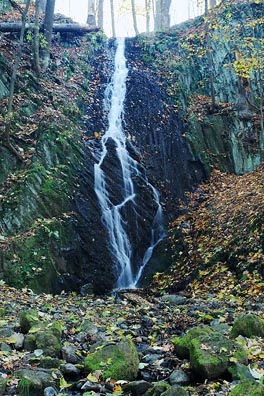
[92,378]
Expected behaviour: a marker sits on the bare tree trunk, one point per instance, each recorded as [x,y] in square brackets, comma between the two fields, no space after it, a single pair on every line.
[91,13]
[5,137]
[166,13]
[36,39]
[42,5]
[100,13]
[147,6]
[162,16]
[48,25]
[113,18]
[134,15]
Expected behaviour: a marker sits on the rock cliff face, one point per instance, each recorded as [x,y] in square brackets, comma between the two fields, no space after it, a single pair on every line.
[52,236]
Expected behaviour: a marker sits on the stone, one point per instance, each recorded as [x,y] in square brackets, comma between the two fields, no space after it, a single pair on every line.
[30,383]
[248,388]
[69,354]
[34,381]
[157,389]
[121,361]
[174,299]
[48,339]
[179,377]
[19,338]
[49,391]
[137,388]
[175,390]
[49,342]
[86,290]
[239,372]
[70,370]
[210,355]
[89,328]
[151,358]
[248,325]
[4,347]
[46,362]
[182,345]
[27,320]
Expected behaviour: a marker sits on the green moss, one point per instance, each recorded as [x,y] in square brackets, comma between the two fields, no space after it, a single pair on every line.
[248,325]
[248,388]
[48,341]
[157,389]
[28,319]
[29,386]
[175,390]
[183,344]
[119,361]
[210,355]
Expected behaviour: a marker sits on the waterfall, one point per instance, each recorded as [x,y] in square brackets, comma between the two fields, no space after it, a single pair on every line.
[114,214]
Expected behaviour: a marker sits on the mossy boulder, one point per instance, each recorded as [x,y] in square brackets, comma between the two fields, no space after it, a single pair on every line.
[46,362]
[33,382]
[210,355]
[119,361]
[27,320]
[46,337]
[248,388]
[175,390]
[240,372]
[248,325]
[183,344]
[157,389]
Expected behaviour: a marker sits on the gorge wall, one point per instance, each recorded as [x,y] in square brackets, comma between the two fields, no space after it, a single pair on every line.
[52,237]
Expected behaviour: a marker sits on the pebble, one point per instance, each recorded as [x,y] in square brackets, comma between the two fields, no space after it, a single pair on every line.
[179,377]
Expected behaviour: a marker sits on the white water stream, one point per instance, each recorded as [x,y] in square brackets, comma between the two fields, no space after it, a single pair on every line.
[111,213]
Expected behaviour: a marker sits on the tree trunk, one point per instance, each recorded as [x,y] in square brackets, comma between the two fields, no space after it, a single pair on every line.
[147,6]
[100,13]
[134,15]
[91,13]
[47,29]
[13,27]
[5,137]
[212,3]
[113,18]
[42,5]
[162,16]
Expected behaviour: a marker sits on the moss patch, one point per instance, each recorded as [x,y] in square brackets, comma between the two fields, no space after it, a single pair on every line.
[119,361]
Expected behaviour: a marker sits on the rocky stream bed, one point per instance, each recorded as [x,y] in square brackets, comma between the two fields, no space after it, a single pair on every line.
[130,343]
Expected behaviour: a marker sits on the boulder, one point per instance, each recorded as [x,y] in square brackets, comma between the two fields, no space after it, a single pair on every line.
[240,372]
[210,355]
[182,345]
[47,337]
[248,325]
[175,390]
[248,388]
[118,361]
[179,377]
[33,382]
[157,389]
[137,388]
[27,320]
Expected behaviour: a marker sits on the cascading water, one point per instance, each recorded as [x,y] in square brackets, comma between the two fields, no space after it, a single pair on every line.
[115,215]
